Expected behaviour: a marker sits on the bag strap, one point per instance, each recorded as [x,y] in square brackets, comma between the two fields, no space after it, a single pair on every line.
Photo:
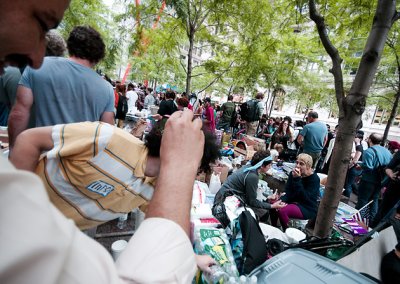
[238,197]
[376,154]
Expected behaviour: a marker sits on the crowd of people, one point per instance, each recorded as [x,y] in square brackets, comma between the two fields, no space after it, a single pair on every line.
[71,167]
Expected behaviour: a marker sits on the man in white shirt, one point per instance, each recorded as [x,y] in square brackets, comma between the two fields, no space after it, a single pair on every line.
[38,244]
[132,97]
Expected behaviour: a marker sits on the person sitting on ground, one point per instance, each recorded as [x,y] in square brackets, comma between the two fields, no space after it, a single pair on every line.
[244,184]
[301,194]
[94,172]
[282,135]
[278,149]
[268,131]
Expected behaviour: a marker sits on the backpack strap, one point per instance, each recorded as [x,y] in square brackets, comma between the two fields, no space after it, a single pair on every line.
[376,154]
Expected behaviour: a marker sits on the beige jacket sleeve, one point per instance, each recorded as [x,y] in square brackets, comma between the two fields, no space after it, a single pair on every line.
[39,245]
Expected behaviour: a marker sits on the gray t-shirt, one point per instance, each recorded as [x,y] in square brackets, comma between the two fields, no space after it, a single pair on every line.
[66,92]
[314,135]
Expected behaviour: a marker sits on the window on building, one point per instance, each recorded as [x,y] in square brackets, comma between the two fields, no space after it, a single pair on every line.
[381,117]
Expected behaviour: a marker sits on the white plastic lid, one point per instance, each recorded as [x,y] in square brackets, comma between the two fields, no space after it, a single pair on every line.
[294,235]
[119,245]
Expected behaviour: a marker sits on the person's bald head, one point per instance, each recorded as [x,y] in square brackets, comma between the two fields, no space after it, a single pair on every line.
[375,138]
[23,27]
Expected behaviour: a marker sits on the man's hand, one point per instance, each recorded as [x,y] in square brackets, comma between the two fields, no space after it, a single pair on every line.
[182,141]
[204,262]
[180,155]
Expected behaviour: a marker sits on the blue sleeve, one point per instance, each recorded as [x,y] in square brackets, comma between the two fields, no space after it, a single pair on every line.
[368,160]
[26,78]
[111,98]
[303,132]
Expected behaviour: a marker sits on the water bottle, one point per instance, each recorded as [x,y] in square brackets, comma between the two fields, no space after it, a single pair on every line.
[243,279]
[217,275]
[122,221]
[253,279]
[232,280]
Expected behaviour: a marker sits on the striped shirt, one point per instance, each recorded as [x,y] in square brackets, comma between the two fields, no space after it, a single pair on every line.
[95,172]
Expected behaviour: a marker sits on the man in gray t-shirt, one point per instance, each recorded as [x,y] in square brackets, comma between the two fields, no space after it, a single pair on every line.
[65,90]
[313,137]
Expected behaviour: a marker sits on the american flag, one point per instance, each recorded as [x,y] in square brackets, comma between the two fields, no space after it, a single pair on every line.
[363,214]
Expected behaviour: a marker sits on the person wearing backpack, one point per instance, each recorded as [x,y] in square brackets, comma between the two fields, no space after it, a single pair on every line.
[251,112]
[374,158]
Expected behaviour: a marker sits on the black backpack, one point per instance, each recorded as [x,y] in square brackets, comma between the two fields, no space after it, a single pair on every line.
[122,104]
[254,246]
[248,110]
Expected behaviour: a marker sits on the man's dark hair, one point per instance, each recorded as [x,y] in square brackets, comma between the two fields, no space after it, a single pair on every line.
[260,96]
[230,98]
[131,86]
[376,138]
[210,152]
[55,44]
[170,95]
[260,155]
[86,43]
[313,114]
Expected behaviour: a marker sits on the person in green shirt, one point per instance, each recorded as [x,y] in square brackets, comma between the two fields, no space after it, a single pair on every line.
[227,111]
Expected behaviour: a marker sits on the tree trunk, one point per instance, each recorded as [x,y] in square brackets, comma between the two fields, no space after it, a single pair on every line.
[189,60]
[272,103]
[230,90]
[351,107]
[267,102]
[392,116]
[396,100]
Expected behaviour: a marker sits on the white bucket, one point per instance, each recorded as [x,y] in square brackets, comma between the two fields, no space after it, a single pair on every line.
[294,235]
[117,248]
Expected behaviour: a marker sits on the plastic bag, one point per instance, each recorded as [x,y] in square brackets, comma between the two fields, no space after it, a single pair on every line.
[215,183]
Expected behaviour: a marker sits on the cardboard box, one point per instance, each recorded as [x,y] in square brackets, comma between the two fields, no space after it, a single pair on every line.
[248,153]
[257,143]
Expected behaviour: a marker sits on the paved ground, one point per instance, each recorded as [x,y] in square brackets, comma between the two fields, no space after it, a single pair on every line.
[108,233]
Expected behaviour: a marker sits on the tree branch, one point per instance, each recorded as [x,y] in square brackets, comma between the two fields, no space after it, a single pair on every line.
[330,49]
[396,16]
[217,78]
[183,66]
